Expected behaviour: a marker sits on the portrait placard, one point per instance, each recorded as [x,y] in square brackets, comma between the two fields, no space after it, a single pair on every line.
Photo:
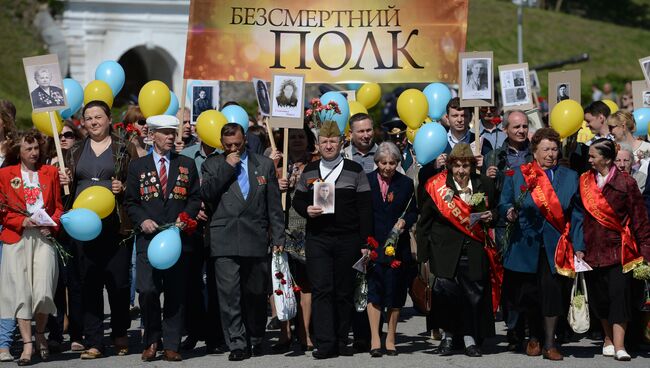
[324,196]
[515,87]
[534,82]
[287,100]
[645,67]
[476,80]
[205,96]
[563,85]
[350,95]
[641,94]
[45,83]
[262,93]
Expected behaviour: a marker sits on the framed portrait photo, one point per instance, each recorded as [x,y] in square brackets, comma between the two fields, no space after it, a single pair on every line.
[287,100]
[534,81]
[324,196]
[45,83]
[641,94]
[645,67]
[476,86]
[205,96]
[262,93]
[515,87]
[563,85]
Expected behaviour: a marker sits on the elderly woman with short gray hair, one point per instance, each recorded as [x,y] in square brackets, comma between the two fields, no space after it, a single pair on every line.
[394,212]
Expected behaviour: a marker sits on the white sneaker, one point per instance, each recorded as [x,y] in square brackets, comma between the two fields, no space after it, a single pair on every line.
[6,357]
[608,350]
[622,355]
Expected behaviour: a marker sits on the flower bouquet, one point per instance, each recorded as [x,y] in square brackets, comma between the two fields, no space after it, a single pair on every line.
[283,294]
[320,113]
[185,223]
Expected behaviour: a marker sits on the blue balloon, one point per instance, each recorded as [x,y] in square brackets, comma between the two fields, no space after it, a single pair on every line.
[82,224]
[438,96]
[74,93]
[165,249]
[173,105]
[236,114]
[340,119]
[112,73]
[642,119]
[354,86]
[430,142]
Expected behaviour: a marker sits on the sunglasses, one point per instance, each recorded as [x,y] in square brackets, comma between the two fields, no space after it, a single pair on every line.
[66,135]
[141,122]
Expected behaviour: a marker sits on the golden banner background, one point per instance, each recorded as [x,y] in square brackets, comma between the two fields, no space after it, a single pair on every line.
[235,40]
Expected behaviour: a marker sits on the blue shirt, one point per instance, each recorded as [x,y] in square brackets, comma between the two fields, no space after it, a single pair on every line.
[156,160]
[196,153]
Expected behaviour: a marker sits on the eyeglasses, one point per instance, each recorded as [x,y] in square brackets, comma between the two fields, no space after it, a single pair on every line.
[66,135]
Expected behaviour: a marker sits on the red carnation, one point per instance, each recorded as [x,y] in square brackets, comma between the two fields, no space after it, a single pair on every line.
[372,242]
[190,223]
[496,120]
[509,172]
[118,126]
[395,264]
[523,188]
[308,112]
[278,292]
[296,289]
[279,275]
[283,282]
[131,129]
[373,255]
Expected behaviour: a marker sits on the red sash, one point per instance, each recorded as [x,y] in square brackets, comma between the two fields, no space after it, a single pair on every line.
[549,205]
[456,211]
[596,204]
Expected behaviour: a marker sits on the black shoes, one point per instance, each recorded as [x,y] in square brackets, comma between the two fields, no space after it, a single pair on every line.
[345,350]
[256,351]
[473,351]
[445,348]
[274,324]
[189,343]
[318,354]
[376,353]
[281,347]
[238,355]
[391,352]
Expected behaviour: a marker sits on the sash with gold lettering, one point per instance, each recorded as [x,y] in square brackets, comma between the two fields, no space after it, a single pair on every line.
[457,212]
[596,204]
[544,196]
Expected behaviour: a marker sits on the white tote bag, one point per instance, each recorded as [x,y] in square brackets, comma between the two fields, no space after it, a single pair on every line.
[285,300]
[579,309]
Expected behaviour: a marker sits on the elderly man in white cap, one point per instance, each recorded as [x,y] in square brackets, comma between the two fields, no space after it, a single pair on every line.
[161,186]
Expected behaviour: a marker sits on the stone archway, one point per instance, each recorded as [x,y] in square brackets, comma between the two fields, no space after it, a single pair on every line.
[142,64]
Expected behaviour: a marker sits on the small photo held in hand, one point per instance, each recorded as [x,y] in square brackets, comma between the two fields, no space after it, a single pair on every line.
[324,196]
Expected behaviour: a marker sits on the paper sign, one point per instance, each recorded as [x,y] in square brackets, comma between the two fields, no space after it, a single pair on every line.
[362,264]
[42,218]
[581,266]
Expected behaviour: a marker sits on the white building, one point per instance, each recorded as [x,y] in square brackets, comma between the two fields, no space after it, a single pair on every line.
[147,37]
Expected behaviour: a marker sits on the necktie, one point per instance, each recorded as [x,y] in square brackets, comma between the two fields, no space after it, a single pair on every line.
[242,179]
[163,176]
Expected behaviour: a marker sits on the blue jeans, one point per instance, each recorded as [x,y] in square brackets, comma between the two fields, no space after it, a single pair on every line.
[7,325]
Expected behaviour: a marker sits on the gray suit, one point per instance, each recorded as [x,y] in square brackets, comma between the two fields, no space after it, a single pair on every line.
[239,242]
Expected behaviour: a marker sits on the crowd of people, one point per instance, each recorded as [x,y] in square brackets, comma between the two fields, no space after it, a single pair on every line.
[500,228]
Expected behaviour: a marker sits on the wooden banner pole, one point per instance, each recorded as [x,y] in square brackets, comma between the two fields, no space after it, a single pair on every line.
[269,131]
[477,132]
[182,109]
[285,161]
[59,151]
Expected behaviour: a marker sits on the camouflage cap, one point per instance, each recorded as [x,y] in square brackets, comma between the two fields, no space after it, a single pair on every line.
[461,151]
[329,129]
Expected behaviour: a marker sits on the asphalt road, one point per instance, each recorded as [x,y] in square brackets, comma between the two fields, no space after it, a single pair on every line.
[415,348]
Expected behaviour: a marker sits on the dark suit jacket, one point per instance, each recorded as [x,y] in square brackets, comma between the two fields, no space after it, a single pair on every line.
[144,197]
[240,227]
[386,213]
[440,242]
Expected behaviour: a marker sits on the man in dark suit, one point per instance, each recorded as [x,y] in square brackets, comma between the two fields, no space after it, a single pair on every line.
[161,186]
[241,191]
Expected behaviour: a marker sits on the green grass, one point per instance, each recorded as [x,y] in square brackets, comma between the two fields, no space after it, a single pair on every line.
[614,50]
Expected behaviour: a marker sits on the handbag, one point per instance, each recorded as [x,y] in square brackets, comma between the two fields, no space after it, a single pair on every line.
[283,295]
[579,308]
[420,291]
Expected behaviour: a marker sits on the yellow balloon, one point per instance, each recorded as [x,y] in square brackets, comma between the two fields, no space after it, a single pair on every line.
[43,123]
[613,107]
[566,118]
[97,199]
[369,94]
[412,108]
[208,127]
[154,98]
[98,90]
[356,107]
[410,134]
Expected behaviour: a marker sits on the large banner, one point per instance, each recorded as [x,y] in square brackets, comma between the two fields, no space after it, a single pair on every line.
[333,41]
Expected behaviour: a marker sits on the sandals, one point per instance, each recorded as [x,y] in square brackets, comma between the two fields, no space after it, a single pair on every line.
[41,346]
[25,361]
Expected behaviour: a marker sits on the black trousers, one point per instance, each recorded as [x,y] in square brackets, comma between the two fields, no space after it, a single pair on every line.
[195,315]
[242,288]
[150,283]
[212,324]
[103,262]
[329,267]
[69,279]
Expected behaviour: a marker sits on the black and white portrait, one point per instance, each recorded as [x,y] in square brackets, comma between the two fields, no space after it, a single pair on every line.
[562,92]
[646,99]
[45,83]
[287,96]
[476,78]
[514,87]
[262,94]
[534,81]
[204,97]
[645,66]
[324,196]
